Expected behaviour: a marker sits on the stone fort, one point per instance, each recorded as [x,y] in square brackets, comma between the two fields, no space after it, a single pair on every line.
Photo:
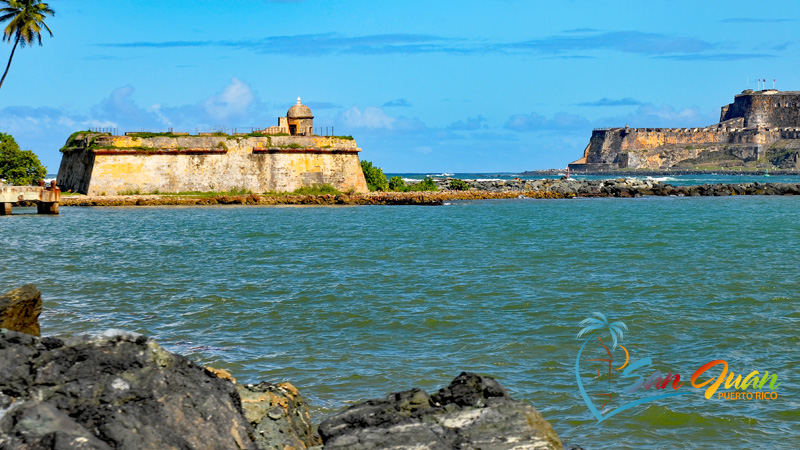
[759,129]
[281,158]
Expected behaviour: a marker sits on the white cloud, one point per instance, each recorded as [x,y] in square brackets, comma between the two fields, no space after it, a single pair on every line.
[234,101]
[371,117]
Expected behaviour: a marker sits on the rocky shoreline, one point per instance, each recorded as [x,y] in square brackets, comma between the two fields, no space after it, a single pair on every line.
[662,173]
[121,390]
[477,190]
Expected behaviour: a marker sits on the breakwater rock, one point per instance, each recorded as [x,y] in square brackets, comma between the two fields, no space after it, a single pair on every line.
[472,412]
[469,190]
[569,188]
[121,390]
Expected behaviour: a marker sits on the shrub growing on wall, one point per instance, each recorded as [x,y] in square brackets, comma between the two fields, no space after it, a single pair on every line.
[18,167]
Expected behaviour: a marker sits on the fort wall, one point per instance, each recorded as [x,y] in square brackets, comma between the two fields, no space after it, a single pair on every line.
[96,164]
[749,127]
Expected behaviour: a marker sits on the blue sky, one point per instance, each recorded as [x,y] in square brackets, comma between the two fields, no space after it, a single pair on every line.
[466,86]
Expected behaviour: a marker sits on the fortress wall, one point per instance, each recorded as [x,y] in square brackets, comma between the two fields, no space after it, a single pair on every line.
[748,127]
[765,109]
[607,145]
[210,163]
[663,147]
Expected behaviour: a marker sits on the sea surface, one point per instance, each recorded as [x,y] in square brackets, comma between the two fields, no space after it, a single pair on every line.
[350,303]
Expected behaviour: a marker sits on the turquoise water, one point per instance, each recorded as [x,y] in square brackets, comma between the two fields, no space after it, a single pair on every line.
[349,303]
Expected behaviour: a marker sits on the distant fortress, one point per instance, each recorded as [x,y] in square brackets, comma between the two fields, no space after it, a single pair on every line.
[759,129]
[282,159]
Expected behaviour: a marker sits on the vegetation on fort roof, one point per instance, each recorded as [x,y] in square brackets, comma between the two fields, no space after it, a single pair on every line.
[346,138]
[376,180]
[147,134]
[73,144]
[256,134]
[19,167]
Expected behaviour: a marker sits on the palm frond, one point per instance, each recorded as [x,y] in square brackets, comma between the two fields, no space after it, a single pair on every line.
[593,324]
[590,328]
[601,316]
[615,329]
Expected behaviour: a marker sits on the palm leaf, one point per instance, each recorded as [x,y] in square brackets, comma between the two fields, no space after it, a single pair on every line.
[599,322]
[593,325]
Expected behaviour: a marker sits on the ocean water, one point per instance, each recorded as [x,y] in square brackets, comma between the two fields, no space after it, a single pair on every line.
[350,303]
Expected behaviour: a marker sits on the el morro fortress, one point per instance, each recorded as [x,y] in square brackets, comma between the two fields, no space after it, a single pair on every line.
[281,158]
[759,129]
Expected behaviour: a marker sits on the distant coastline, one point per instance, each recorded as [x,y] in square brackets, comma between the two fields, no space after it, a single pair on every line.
[660,172]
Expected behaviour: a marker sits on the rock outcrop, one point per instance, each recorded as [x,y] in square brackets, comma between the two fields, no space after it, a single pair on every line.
[279,416]
[20,309]
[120,390]
[473,412]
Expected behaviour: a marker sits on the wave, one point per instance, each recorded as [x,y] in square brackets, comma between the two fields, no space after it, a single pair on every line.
[662,179]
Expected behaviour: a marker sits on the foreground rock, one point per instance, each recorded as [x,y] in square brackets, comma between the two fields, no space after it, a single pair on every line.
[120,390]
[20,309]
[473,412]
[279,416]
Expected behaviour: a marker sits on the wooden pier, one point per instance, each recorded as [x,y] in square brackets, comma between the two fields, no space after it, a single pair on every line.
[45,197]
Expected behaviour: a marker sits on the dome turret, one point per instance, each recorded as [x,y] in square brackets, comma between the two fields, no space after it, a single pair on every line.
[299,111]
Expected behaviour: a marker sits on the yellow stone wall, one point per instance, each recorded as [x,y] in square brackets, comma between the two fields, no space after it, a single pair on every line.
[209,163]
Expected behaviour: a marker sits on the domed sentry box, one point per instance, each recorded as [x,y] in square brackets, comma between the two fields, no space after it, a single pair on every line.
[298,121]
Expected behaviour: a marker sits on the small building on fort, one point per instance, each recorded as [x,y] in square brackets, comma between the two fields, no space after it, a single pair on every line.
[759,129]
[298,122]
[274,159]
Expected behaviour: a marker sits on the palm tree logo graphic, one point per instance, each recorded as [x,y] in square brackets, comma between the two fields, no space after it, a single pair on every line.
[592,327]
[595,324]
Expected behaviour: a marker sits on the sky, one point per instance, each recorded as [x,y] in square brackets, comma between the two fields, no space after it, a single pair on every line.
[423,86]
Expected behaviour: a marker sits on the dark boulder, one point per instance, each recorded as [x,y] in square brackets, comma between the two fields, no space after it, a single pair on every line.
[20,309]
[39,425]
[121,388]
[473,412]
